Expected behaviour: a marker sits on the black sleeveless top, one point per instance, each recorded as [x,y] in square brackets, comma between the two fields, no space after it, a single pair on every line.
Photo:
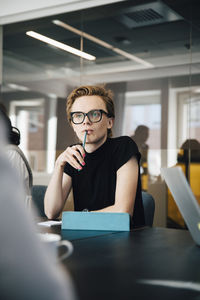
[94,186]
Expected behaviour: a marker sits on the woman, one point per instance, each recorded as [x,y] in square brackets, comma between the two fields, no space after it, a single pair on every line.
[27,268]
[17,158]
[104,174]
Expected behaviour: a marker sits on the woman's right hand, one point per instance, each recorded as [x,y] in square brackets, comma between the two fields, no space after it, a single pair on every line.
[73,155]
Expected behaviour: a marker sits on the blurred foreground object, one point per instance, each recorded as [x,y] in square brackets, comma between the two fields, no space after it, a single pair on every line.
[27,269]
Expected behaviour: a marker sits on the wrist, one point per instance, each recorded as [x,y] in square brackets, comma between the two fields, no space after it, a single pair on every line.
[59,166]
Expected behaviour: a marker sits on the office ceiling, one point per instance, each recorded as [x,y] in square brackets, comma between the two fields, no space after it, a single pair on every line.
[165,34]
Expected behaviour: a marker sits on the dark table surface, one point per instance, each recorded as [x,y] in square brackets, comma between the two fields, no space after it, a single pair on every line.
[149,263]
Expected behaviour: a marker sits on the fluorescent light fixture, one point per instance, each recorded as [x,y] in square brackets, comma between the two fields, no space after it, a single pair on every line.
[59,45]
[102,43]
[17,87]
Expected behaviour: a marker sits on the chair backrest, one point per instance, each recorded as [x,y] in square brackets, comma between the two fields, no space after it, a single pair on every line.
[149,208]
[38,192]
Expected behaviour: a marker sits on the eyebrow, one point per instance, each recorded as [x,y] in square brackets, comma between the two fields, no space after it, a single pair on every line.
[79,111]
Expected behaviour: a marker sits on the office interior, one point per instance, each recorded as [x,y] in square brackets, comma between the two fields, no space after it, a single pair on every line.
[147,52]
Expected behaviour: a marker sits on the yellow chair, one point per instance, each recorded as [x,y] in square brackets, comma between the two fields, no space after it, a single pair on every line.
[144,177]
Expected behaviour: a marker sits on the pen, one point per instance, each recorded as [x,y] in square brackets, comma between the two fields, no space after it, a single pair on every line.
[84,139]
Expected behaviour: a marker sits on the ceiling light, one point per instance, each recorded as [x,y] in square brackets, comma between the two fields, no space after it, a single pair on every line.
[17,87]
[102,43]
[59,45]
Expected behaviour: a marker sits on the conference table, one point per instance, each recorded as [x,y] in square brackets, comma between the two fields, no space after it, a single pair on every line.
[146,263]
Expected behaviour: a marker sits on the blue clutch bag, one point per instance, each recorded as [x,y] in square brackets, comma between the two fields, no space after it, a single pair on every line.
[75,220]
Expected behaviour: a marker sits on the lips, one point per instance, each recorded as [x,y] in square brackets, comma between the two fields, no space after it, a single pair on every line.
[89,131]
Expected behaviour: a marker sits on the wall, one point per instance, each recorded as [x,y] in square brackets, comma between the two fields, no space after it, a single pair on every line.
[119,90]
[65,134]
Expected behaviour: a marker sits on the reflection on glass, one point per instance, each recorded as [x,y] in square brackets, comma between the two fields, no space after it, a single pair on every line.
[34,70]
[149,116]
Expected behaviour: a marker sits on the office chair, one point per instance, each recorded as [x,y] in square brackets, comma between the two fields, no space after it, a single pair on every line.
[38,192]
[149,208]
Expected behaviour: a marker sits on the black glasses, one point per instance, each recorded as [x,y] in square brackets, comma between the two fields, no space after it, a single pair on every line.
[94,116]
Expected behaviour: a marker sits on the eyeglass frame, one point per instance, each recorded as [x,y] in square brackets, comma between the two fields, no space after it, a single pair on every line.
[86,114]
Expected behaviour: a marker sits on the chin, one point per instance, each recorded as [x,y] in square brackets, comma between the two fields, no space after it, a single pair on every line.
[97,139]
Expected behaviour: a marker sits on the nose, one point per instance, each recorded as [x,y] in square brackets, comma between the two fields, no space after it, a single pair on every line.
[86,120]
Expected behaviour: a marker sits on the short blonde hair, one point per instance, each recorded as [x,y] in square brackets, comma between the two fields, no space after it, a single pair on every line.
[92,90]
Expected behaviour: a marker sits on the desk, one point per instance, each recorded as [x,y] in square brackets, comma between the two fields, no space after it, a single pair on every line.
[115,265]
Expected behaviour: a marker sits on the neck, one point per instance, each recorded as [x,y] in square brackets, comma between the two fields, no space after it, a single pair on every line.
[93,146]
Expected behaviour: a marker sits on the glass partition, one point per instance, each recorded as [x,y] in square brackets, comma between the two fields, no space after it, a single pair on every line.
[147,52]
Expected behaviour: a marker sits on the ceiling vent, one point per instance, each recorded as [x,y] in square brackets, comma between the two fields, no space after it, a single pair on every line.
[148,14]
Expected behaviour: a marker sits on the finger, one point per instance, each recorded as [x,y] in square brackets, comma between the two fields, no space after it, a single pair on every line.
[75,157]
[80,153]
[80,149]
[73,162]
[67,157]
